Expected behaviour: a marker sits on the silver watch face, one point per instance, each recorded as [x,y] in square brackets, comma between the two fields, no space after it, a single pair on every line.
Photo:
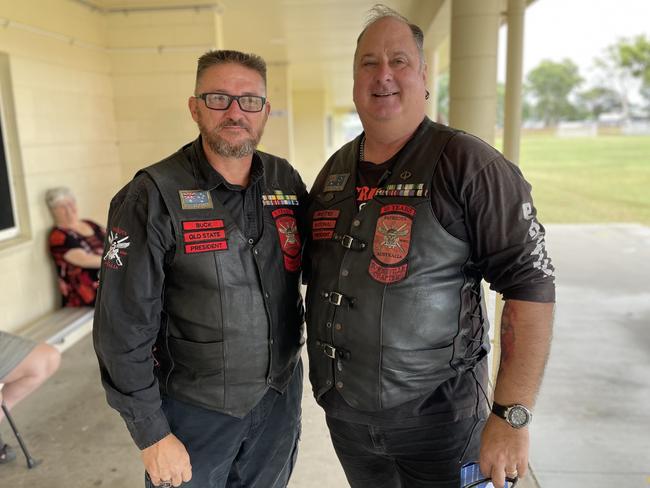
[518,416]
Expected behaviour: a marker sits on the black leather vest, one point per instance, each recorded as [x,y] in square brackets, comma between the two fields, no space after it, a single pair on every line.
[233,313]
[391,312]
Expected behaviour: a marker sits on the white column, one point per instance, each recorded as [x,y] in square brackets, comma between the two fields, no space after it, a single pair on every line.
[514,73]
[473,66]
[431,58]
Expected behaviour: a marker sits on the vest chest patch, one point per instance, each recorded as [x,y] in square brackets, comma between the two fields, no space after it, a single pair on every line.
[391,243]
[323,224]
[280,198]
[285,222]
[195,199]
[204,236]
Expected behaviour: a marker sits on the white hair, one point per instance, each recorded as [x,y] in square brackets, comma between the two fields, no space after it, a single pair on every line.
[54,195]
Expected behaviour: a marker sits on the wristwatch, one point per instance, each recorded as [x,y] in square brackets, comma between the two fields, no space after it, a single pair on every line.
[516,415]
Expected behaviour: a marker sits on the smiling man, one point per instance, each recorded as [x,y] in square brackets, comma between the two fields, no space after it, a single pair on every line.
[405,221]
[198,325]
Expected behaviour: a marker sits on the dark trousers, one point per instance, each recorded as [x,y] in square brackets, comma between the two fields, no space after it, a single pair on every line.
[417,457]
[257,451]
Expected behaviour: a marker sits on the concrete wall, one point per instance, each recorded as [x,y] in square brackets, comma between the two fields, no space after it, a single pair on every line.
[310,118]
[97,96]
[63,99]
[153,57]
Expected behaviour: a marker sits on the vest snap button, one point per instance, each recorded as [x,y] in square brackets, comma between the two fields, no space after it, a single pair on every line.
[356,222]
[328,382]
[345,272]
[339,384]
[255,251]
[271,341]
[338,327]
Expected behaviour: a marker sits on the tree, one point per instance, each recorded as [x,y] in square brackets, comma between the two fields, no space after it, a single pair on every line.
[623,63]
[598,100]
[550,84]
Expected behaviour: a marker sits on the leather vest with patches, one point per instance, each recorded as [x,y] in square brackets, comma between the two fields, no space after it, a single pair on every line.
[391,311]
[233,313]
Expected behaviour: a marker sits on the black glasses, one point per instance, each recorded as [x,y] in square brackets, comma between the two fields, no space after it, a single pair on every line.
[222,101]
[471,477]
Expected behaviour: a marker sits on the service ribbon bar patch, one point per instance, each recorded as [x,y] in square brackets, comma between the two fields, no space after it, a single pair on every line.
[195,199]
[403,190]
[278,198]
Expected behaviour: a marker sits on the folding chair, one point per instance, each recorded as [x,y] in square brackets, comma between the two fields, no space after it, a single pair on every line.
[31,462]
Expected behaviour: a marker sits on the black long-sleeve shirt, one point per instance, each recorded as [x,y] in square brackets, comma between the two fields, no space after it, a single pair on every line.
[130,306]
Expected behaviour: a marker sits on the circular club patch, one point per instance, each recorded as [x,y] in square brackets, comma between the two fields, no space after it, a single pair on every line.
[392,238]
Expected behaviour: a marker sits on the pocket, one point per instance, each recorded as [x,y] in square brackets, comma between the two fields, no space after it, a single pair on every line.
[201,358]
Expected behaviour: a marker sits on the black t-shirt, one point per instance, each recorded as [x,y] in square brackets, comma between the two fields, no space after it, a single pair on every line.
[481,198]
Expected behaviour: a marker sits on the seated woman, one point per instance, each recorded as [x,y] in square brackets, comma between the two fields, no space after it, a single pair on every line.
[76,246]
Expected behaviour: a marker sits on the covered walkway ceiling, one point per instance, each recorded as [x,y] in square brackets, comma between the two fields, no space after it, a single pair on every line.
[315,38]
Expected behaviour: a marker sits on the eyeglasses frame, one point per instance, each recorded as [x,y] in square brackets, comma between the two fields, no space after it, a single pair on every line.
[232,98]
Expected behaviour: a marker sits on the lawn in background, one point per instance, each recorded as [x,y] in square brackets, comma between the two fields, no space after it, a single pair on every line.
[588,179]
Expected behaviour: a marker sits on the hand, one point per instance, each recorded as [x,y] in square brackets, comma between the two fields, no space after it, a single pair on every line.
[504,451]
[167,460]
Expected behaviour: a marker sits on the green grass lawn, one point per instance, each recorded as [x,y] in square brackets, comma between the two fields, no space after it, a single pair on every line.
[600,179]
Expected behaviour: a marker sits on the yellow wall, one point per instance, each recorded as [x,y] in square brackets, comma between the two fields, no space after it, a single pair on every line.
[310,116]
[98,96]
[63,98]
[153,56]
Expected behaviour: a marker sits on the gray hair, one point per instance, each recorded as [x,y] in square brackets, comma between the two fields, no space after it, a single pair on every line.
[381,11]
[54,195]
[224,56]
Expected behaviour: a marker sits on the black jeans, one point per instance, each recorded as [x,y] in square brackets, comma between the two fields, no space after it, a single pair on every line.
[416,457]
[257,451]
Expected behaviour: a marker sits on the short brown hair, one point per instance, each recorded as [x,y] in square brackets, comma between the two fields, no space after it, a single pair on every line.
[225,56]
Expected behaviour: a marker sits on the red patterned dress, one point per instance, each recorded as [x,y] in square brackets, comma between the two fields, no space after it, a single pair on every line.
[78,285]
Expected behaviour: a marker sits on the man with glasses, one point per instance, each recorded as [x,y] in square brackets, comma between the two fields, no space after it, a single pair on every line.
[198,324]
[406,220]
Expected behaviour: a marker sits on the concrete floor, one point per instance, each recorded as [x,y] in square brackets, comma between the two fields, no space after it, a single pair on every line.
[592,420]
[591,425]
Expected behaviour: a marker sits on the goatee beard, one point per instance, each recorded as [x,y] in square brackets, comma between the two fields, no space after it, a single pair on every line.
[224,148]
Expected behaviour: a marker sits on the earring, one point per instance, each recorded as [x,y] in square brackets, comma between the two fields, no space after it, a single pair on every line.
[427,95]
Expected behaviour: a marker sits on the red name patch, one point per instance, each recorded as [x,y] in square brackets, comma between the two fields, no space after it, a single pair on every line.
[206,235]
[206,247]
[202,224]
[327,214]
[321,235]
[323,224]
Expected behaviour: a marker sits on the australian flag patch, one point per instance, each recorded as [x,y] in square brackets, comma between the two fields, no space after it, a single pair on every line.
[195,199]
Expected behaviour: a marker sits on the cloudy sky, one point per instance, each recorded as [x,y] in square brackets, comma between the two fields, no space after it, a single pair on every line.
[578,29]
